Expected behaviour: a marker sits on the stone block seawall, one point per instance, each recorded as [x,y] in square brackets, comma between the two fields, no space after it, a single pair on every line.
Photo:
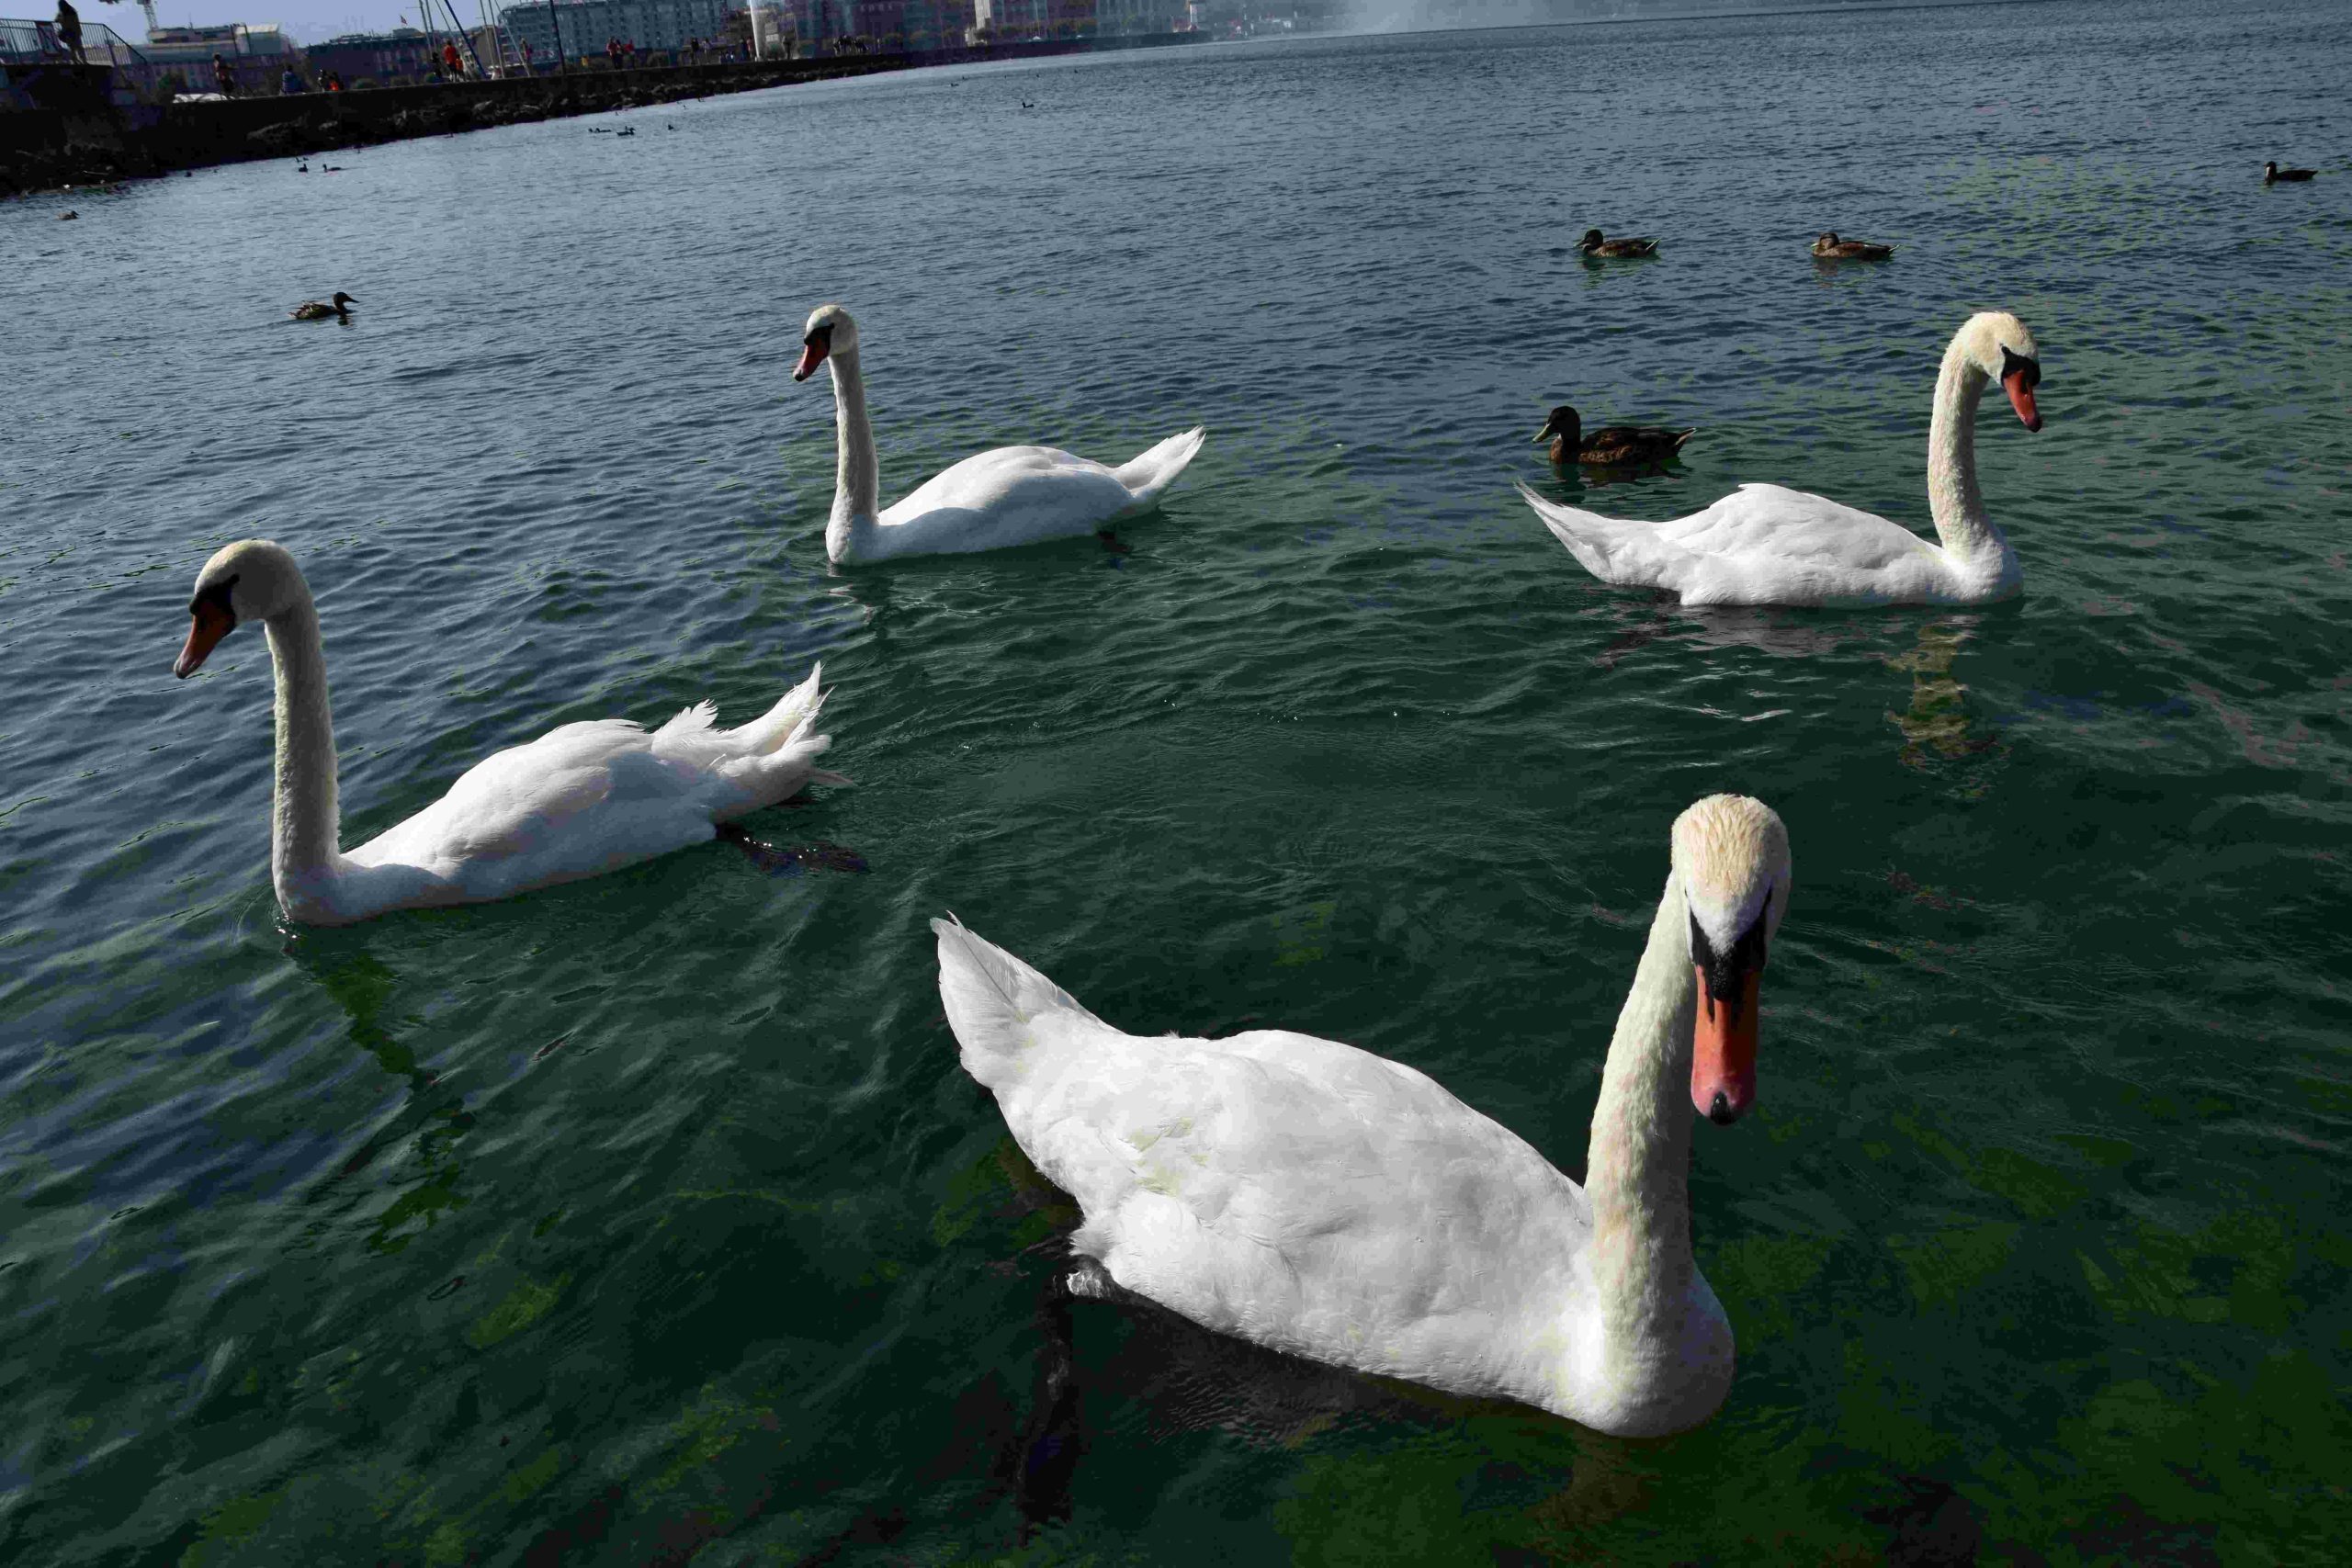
[76,130]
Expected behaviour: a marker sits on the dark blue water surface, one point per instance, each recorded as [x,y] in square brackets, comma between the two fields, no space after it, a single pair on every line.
[652,1220]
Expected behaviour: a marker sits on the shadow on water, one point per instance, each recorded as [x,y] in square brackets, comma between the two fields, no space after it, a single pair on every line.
[362,987]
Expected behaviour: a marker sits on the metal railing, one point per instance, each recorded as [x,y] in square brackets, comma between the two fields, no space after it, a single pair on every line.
[30,43]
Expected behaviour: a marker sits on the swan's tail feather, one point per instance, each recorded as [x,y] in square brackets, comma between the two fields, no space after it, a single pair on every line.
[1150,472]
[789,721]
[1611,548]
[993,999]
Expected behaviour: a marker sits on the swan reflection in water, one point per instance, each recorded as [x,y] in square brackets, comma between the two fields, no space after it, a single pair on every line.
[431,1119]
[1937,724]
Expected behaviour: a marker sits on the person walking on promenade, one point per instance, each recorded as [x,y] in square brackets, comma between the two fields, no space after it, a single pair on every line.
[225,78]
[450,62]
[290,85]
[69,31]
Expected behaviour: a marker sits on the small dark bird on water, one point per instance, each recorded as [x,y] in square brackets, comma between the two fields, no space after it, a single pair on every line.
[2272,174]
[1829,247]
[1593,245]
[320,310]
[69,213]
[1611,447]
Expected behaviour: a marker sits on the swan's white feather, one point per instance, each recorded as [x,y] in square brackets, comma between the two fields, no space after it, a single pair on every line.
[1295,1191]
[1020,495]
[1763,544]
[1767,545]
[582,799]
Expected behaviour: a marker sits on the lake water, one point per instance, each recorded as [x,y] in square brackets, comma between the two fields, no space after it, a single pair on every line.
[651,1218]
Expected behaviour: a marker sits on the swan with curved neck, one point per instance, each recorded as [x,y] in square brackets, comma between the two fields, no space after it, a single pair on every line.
[1766,544]
[1013,495]
[584,799]
[1324,1201]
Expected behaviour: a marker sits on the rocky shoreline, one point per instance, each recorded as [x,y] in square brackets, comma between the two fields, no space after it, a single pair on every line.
[78,132]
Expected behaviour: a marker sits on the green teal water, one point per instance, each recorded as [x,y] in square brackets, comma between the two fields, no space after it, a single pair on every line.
[652,1220]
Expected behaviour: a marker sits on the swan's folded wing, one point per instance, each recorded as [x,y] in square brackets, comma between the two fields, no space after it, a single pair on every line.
[1789,526]
[519,801]
[1302,1193]
[1009,496]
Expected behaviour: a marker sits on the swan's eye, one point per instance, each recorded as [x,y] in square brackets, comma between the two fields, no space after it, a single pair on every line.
[2016,364]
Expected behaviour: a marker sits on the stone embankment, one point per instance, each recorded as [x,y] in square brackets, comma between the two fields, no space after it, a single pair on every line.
[79,132]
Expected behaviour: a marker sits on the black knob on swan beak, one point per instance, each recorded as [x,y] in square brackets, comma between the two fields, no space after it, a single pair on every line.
[1719,1110]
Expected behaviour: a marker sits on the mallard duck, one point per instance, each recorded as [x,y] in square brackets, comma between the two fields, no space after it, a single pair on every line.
[1829,247]
[1611,446]
[320,310]
[1592,245]
[2272,174]
[67,217]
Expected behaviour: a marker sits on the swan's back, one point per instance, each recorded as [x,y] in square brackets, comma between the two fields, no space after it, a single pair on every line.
[1763,544]
[1013,495]
[1295,1191]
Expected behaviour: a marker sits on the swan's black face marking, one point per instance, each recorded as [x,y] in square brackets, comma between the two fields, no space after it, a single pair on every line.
[813,351]
[210,618]
[1724,971]
[216,597]
[2019,376]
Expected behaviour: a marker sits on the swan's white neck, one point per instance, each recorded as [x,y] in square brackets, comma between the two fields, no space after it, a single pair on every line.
[1977,544]
[857,481]
[304,814]
[1637,1170]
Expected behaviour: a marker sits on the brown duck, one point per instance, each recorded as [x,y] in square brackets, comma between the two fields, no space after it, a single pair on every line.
[1611,447]
[1829,247]
[1592,245]
[320,310]
[2272,174]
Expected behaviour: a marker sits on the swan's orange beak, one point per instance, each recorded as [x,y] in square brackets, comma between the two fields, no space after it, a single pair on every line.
[2021,399]
[1723,1050]
[210,621]
[813,355]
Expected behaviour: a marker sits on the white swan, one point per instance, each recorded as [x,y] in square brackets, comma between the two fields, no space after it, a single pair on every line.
[1328,1203]
[1764,545]
[582,799]
[1013,495]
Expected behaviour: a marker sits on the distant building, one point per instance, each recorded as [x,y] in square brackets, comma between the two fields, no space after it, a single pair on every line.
[1011,19]
[231,40]
[1114,17]
[587,25]
[376,57]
